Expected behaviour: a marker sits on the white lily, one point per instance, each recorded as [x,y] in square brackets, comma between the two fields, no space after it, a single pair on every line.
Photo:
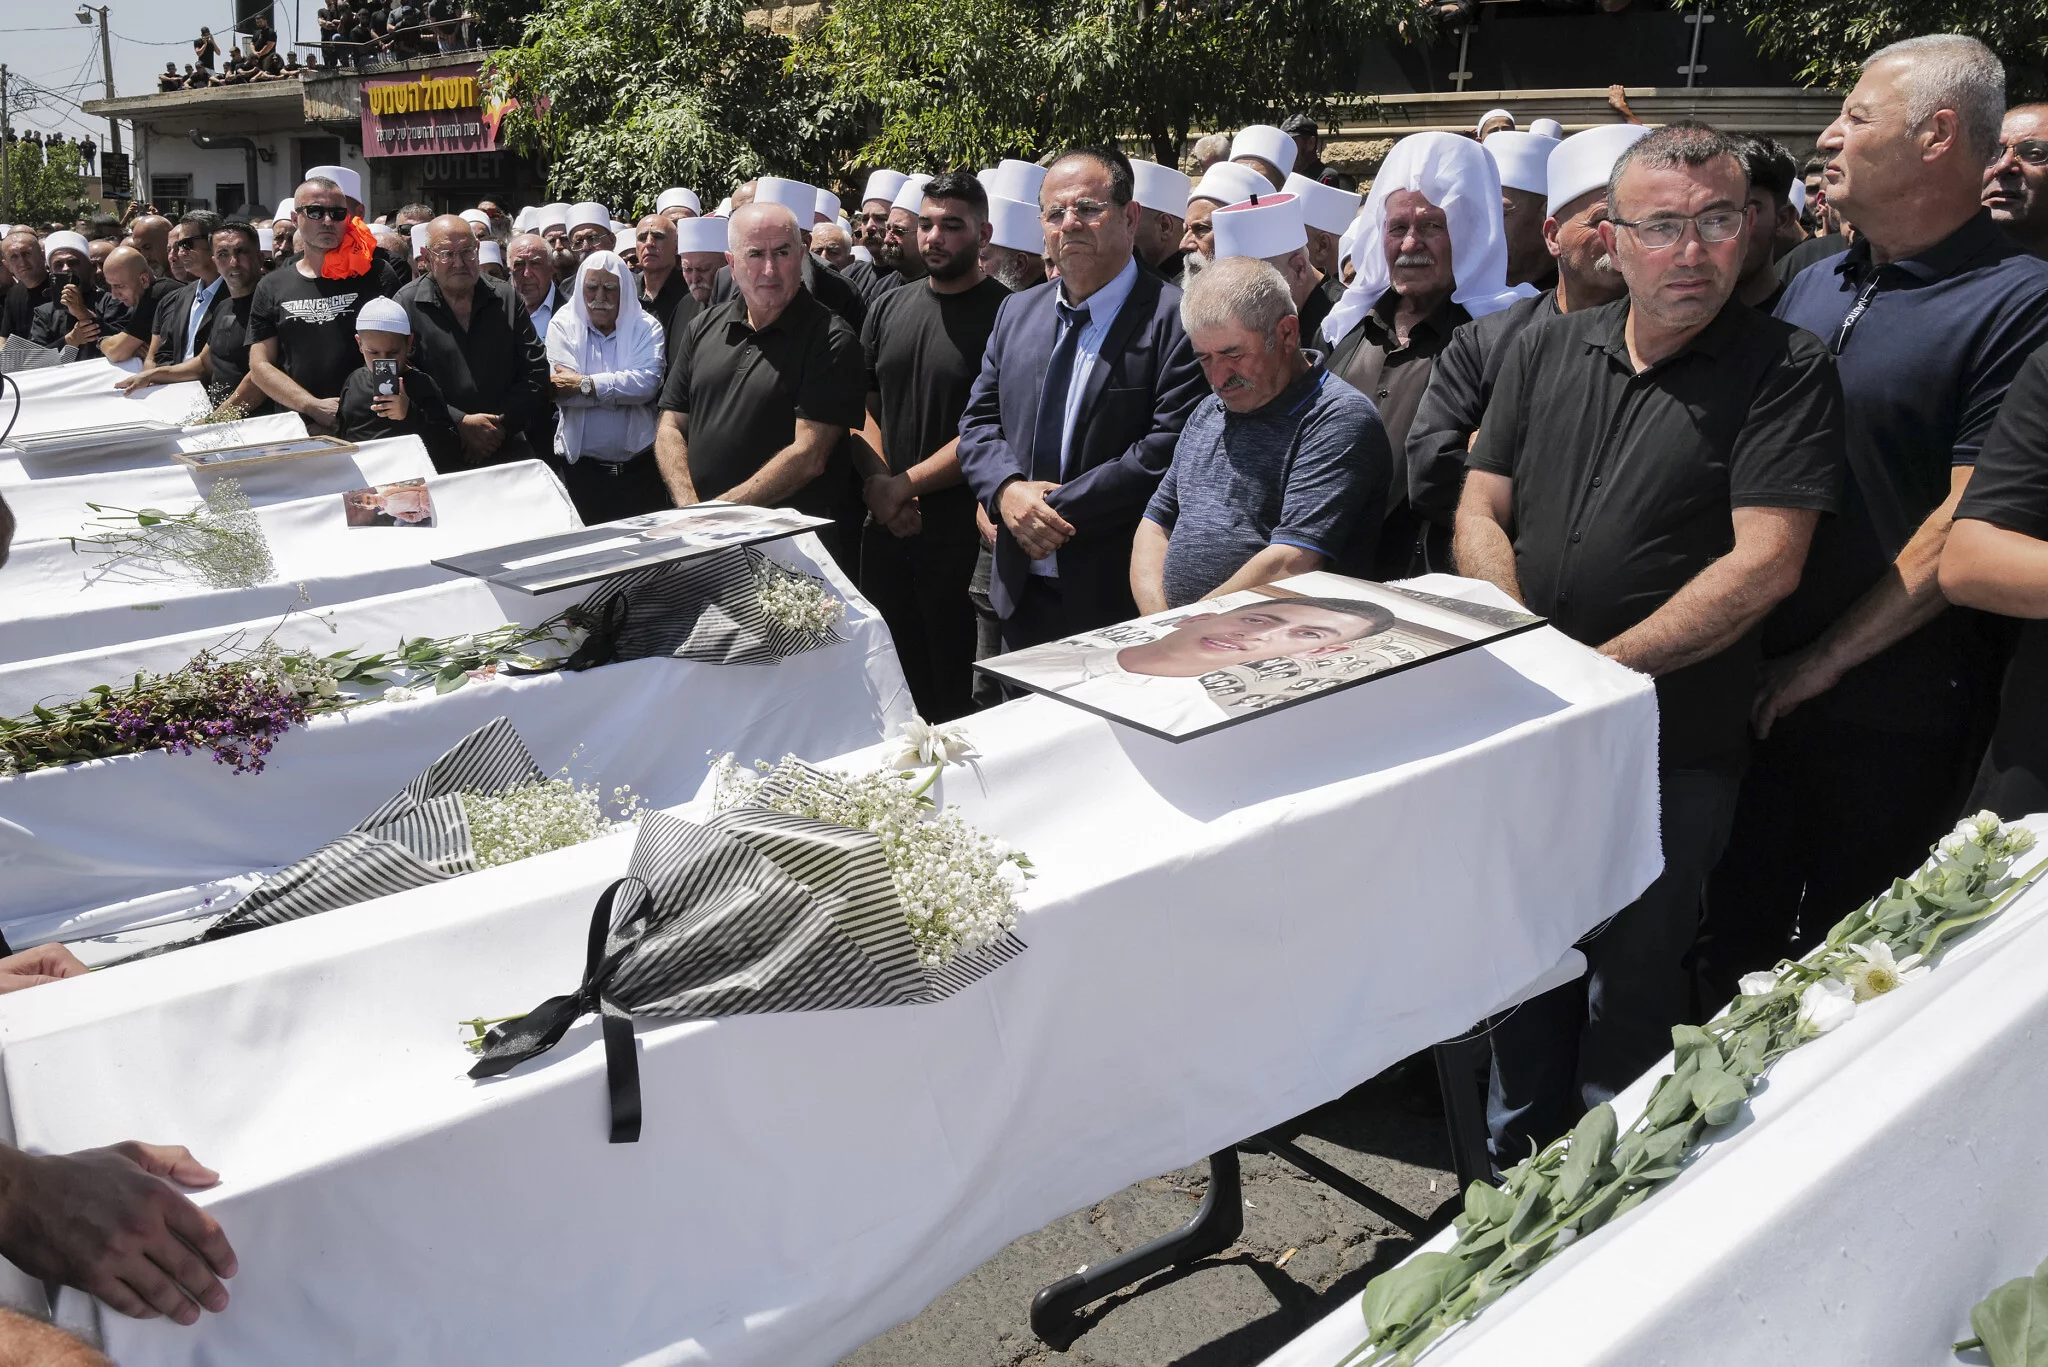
[1758,984]
[1825,1005]
[925,744]
[399,693]
[1879,972]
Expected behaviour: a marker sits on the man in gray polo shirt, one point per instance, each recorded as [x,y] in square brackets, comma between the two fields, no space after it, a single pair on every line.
[1282,470]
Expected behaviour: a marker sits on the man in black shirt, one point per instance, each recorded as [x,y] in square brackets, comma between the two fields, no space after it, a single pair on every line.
[820,281]
[302,323]
[1876,698]
[2016,182]
[129,280]
[664,289]
[1461,381]
[924,344]
[1771,170]
[79,314]
[1996,559]
[760,398]
[182,319]
[472,334]
[1648,476]
[221,360]
[32,287]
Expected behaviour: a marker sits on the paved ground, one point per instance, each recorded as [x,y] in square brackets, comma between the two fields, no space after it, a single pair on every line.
[1305,1251]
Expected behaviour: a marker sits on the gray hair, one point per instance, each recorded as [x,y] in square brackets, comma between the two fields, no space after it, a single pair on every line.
[1240,291]
[1209,148]
[751,213]
[1954,72]
[1676,144]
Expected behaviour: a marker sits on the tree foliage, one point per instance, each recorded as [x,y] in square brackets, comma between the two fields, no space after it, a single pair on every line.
[45,184]
[960,82]
[623,97]
[1832,37]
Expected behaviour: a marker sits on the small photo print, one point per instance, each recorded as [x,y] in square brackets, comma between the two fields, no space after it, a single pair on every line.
[1198,668]
[408,503]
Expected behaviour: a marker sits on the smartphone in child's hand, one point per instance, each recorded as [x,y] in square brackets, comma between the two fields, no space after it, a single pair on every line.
[385,373]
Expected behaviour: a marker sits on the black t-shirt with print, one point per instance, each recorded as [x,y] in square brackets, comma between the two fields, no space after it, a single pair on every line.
[314,322]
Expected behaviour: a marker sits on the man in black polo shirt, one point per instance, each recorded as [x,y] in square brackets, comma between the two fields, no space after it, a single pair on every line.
[1648,476]
[1877,698]
[924,344]
[473,336]
[759,400]
[1996,559]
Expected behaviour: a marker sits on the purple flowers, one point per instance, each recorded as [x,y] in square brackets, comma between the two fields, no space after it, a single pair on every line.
[233,710]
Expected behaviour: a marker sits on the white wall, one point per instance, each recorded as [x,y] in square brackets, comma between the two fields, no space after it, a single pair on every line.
[169,151]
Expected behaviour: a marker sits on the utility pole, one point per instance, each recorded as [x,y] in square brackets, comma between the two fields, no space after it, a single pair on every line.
[107,67]
[6,152]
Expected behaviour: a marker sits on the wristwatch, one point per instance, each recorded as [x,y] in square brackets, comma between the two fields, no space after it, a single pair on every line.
[585,387]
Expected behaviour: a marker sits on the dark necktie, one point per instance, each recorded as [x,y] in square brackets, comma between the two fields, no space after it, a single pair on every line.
[1052,399]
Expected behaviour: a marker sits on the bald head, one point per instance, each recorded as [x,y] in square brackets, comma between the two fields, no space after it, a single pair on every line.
[151,234]
[654,241]
[833,245]
[530,261]
[452,256]
[128,275]
[743,194]
[765,247]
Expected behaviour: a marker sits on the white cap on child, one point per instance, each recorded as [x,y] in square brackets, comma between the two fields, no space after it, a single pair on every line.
[383,315]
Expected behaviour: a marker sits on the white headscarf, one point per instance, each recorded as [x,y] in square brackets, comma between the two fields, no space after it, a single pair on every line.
[1455,174]
[640,349]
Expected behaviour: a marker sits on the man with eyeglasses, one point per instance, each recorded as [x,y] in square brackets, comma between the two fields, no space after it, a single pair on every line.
[2016,182]
[1876,697]
[1072,421]
[302,321]
[871,219]
[474,337]
[1648,477]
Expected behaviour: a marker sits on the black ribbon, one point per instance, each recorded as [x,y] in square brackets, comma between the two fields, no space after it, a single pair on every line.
[512,1043]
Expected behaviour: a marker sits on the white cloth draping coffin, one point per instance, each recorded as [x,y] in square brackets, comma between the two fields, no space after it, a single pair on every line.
[1886,1179]
[1223,934]
[48,508]
[61,600]
[77,840]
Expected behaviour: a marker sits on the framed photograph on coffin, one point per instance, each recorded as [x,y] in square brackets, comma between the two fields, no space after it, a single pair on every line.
[1199,668]
[582,557]
[218,458]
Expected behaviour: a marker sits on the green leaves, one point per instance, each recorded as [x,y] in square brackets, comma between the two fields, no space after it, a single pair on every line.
[1717,1096]
[2012,1322]
[1407,1293]
[1586,1160]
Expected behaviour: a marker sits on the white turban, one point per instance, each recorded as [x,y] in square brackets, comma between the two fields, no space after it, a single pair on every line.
[65,240]
[701,235]
[882,185]
[266,239]
[526,221]
[826,206]
[1016,225]
[1228,183]
[1547,128]
[285,209]
[489,253]
[1156,187]
[351,183]
[1797,196]
[1264,141]
[1271,227]
[419,239]
[794,195]
[1489,116]
[1455,174]
[1013,179]
[1323,206]
[910,199]
[590,215]
[623,241]
[477,217]
[551,216]
[676,197]
[639,347]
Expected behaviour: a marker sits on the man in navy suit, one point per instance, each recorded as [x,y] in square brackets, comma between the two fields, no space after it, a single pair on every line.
[1073,420]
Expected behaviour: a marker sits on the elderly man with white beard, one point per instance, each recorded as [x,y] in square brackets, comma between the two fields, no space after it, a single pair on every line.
[1430,256]
[1272,229]
[1461,382]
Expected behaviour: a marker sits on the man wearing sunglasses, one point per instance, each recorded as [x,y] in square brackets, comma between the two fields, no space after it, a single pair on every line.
[1648,476]
[2016,183]
[302,324]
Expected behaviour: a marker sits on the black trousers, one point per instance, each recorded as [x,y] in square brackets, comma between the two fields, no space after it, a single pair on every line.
[605,491]
[1832,810]
[919,584]
[1558,1055]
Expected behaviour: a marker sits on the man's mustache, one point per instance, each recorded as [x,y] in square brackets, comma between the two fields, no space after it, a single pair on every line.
[1415,259]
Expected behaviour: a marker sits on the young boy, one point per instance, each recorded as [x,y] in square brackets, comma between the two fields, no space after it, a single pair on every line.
[395,403]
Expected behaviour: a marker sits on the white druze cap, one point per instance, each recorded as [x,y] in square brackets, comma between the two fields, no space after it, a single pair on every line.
[1523,160]
[1264,140]
[882,185]
[383,315]
[826,205]
[794,195]
[589,214]
[701,235]
[1159,187]
[350,182]
[1323,206]
[676,197]
[1268,226]
[910,199]
[1014,179]
[1016,225]
[1228,183]
[1585,160]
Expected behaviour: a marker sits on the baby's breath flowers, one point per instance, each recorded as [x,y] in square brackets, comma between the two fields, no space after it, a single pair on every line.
[534,818]
[958,887]
[798,601]
[220,542]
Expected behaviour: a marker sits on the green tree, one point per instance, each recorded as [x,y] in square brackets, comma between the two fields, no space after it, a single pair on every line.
[1832,37]
[43,186]
[624,97]
[959,82]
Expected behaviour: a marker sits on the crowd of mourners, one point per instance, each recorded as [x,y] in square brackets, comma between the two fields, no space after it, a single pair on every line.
[1774,435]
